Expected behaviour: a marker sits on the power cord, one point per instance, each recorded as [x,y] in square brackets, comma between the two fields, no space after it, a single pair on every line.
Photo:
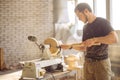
[53,77]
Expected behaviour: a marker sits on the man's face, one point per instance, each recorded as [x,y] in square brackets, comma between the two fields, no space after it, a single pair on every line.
[81,16]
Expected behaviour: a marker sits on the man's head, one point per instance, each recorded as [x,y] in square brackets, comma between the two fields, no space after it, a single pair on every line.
[82,11]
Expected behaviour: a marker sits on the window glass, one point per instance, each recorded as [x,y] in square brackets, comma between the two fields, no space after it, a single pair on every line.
[115,14]
[71,14]
[100,8]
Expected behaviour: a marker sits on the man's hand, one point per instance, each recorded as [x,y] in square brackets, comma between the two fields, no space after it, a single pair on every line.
[90,42]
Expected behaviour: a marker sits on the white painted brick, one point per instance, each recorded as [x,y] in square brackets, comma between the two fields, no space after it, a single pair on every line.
[18,20]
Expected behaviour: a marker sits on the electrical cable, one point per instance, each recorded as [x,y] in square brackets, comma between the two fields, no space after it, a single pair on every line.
[53,76]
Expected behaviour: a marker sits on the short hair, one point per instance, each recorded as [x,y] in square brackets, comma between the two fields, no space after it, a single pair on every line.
[82,6]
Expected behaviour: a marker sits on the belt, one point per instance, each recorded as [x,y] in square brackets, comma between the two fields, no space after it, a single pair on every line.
[94,60]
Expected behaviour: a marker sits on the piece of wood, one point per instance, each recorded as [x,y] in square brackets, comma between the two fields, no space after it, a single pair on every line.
[2,62]
[52,42]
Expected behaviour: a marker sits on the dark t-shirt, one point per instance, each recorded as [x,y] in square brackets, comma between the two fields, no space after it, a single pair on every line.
[100,27]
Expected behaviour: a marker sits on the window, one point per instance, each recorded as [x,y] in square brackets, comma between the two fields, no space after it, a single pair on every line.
[115,14]
[71,14]
[100,8]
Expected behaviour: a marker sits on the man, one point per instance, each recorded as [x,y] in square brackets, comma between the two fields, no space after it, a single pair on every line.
[97,35]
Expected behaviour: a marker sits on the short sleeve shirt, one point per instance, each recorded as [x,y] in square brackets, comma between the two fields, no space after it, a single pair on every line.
[98,28]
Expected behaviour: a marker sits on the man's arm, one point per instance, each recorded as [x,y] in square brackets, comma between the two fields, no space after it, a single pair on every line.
[108,39]
[76,46]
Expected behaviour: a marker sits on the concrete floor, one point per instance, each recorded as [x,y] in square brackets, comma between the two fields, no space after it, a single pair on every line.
[10,75]
[16,74]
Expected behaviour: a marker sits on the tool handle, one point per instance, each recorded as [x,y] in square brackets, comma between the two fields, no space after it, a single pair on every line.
[83,44]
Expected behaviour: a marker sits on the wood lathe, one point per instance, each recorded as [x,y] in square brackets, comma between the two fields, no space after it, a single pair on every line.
[51,57]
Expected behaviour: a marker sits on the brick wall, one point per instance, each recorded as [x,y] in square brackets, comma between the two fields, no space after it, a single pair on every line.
[18,20]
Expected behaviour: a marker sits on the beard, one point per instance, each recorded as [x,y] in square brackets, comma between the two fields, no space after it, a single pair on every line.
[86,18]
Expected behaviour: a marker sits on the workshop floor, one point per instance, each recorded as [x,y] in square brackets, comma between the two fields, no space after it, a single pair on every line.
[16,74]
[10,74]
